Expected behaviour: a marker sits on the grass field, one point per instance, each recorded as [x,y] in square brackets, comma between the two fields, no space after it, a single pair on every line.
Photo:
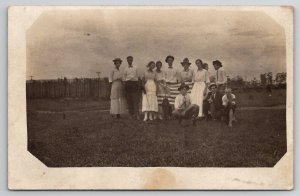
[88,137]
[250,99]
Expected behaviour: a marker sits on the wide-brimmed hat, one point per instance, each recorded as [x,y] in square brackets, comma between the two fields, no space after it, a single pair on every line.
[183,85]
[117,60]
[211,85]
[217,62]
[168,57]
[185,61]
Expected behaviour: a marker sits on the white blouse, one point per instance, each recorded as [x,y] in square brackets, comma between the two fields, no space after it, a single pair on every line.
[160,75]
[171,75]
[201,76]
[115,74]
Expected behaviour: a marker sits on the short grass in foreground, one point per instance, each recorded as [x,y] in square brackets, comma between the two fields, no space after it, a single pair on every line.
[94,138]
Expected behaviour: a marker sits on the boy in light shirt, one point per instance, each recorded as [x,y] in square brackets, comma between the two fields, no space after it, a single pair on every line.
[184,109]
[228,101]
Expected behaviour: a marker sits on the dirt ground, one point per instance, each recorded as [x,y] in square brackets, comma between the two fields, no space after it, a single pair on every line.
[82,134]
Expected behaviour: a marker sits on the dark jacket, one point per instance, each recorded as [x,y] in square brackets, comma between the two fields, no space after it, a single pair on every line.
[216,100]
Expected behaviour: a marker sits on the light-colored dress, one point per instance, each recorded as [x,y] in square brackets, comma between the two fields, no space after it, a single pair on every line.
[200,77]
[149,101]
[117,96]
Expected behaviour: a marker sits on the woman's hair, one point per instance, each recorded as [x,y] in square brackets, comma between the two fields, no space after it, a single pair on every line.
[204,65]
[151,62]
[199,60]
[158,62]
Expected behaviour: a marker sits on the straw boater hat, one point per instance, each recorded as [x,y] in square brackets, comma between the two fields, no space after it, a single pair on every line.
[117,59]
[183,85]
[211,85]
[168,57]
[185,61]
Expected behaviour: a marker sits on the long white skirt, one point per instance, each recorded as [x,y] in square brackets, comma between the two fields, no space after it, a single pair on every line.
[197,96]
[117,98]
[149,101]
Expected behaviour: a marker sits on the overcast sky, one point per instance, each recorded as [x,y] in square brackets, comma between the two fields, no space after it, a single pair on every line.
[78,43]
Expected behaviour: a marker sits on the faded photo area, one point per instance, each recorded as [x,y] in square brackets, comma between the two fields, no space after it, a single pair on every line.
[156,87]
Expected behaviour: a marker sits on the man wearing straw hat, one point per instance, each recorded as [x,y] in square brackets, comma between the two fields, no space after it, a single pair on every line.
[184,109]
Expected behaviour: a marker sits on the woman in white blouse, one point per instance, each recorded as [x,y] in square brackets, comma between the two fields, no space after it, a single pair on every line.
[149,101]
[117,95]
[201,80]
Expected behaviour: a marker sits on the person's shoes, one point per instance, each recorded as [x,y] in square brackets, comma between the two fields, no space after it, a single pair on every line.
[230,124]
[145,119]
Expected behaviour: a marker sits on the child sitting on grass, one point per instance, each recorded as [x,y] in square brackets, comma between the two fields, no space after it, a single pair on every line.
[228,101]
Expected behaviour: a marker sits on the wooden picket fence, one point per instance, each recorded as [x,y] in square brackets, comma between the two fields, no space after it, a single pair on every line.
[68,88]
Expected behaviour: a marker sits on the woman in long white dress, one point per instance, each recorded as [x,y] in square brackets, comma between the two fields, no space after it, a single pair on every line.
[201,80]
[117,96]
[149,101]
[161,88]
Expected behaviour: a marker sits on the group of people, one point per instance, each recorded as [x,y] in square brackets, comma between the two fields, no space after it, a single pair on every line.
[209,97]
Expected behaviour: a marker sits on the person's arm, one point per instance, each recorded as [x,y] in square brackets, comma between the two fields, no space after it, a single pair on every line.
[178,76]
[224,77]
[111,76]
[206,81]
[176,103]
[233,99]
[136,73]
[206,77]
[192,76]
[144,82]
[164,78]
[189,101]
[224,100]
[124,74]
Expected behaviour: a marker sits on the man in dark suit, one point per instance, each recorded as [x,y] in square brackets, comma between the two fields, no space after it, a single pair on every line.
[212,104]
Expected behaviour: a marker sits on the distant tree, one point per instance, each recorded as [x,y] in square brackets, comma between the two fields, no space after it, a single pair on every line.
[269,78]
[263,79]
[236,82]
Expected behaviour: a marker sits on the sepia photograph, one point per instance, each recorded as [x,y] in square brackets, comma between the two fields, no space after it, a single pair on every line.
[141,87]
